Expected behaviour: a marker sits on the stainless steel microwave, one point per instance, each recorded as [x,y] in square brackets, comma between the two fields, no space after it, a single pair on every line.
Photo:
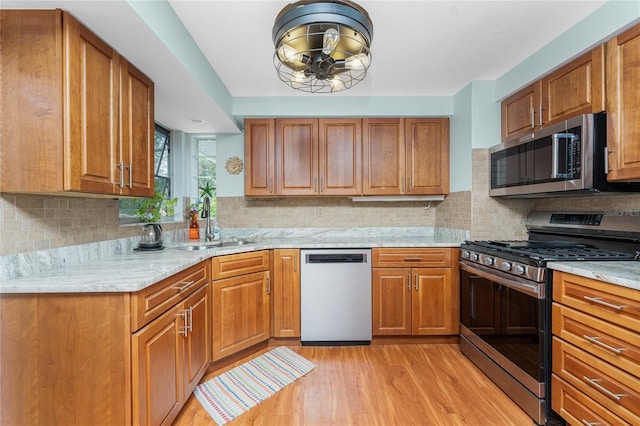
[568,158]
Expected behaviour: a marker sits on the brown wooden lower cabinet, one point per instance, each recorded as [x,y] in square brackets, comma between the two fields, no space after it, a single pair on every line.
[170,356]
[241,314]
[84,359]
[596,351]
[415,300]
[285,294]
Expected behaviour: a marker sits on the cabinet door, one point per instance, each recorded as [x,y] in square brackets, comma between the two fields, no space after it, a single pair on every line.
[623,106]
[297,156]
[576,88]
[157,369]
[432,302]
[391,300]
[91,104]
[521,112]
[286,293]
[340,156]
[197,342]
[383,164]
[427,155]
[31,39]
[259,157]
[240,313]
[136,153]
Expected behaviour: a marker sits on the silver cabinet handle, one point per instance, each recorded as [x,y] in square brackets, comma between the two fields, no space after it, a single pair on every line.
[599,301]
[120,165]
[413,259]
[588,423]
[606,160]
[130,175]
[415,283]
[184,286]
[190,326]
[533,118]
[596,340]
[598,386]
[408,282]
[268,284]
[540,116]
[185,330]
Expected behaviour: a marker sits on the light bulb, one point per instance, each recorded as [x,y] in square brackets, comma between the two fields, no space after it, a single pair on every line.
[298,77]
[330,41]
[288,54]
[357,62]
[336,84]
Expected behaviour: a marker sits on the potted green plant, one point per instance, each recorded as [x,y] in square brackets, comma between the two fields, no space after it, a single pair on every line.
[152,210]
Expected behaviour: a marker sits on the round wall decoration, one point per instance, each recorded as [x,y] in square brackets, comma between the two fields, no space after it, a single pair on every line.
[234,165]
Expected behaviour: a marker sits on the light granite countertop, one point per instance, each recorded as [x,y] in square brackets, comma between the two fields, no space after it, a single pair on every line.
[133,271]
[625,273]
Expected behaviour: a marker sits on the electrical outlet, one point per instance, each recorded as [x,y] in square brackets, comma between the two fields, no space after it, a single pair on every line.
[320,212]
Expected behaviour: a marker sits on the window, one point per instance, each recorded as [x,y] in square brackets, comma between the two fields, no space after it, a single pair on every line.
[162,167]
[207,169]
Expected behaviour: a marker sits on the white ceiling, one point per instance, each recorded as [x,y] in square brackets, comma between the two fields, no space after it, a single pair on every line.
[420,48]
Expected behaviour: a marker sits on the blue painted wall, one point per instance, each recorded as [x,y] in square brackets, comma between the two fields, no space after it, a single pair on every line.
[474,110]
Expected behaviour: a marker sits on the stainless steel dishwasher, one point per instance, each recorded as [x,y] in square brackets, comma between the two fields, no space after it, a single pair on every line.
[335,296]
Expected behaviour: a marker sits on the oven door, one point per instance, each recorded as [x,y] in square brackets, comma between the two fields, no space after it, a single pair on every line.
[505,318]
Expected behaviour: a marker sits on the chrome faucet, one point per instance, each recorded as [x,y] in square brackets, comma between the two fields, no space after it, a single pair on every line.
[206,214]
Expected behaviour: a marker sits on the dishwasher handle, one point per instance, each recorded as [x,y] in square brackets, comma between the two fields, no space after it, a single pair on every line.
[335,258]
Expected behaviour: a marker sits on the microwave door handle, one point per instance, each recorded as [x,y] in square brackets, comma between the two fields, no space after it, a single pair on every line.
[555,154]
[555,143]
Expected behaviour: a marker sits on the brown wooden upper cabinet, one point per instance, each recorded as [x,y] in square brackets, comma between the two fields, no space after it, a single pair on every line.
[77,117]
[573,89]
[407,156]
[303,156]
[346,156]
[259,157]
[623,105]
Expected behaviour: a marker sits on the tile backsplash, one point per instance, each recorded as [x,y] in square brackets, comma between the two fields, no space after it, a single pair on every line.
[31,223]
[42,222]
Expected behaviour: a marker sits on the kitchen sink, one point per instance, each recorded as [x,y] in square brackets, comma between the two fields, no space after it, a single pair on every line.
[198,247]
[232,243]
[213,245]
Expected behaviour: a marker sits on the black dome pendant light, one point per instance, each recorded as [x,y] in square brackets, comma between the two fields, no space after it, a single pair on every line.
[322,46]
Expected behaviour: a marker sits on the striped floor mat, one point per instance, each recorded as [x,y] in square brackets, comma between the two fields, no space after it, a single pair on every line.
[230,394]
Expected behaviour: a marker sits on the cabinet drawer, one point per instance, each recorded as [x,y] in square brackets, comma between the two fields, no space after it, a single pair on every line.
[617,304]
[615,389]
[577,408]
[149,303]
[411,257]
[240,264]
[617,345]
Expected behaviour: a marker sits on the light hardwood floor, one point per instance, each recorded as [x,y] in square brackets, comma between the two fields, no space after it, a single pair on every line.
[426,384]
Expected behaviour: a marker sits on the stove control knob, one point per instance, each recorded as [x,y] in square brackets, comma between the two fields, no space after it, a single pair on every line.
[466,254]
[489,261]
[506,266]
[475,257]
[519,269]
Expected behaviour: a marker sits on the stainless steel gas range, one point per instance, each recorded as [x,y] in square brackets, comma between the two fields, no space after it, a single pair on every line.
[505,291]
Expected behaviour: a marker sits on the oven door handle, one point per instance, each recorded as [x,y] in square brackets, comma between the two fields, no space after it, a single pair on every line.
[537,291]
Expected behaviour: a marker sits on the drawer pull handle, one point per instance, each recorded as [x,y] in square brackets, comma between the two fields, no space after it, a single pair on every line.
[184,286]
[588,423]
[599,301]
[598,386]
[413,259]
[596,340]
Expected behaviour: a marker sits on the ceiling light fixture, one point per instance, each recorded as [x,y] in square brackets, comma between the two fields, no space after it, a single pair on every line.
[322,46]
